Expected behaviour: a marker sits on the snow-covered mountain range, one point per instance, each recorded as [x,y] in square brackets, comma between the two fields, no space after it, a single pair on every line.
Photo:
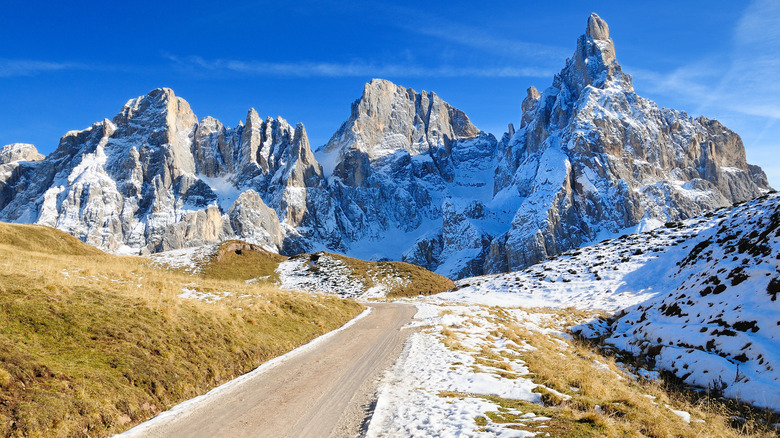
[406,177]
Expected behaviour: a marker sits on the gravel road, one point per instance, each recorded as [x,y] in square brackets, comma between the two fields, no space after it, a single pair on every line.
[324,391]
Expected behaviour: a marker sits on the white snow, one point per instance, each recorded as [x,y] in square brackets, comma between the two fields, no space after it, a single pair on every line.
[329,274]
[409,401]
[226,191]
[187,259]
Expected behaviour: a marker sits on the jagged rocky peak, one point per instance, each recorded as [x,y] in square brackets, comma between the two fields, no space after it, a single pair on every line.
[160,107]
[19,152]
[154,178]
[595,61]
[593,158]
[532,95]
[597,28]
[389,118]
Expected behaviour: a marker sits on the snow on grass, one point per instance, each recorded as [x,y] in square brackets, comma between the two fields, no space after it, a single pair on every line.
[436,387]
[699,297]
[190,260]
[326,275]
[209,297]
[717,324]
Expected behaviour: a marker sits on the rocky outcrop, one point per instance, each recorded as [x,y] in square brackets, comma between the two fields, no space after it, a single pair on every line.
[593,158]
[406,176]
[19,152]
[253,220]
[16,163]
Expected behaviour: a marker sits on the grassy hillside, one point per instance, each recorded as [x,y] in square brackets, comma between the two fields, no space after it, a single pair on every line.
[91,344]
[238,260]
[414,279]
[333,273]
[321,272]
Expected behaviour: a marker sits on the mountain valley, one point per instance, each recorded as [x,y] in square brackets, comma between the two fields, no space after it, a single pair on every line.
[606,267]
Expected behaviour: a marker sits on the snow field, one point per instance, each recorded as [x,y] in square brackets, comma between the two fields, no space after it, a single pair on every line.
[330,275]
[409,401]
[698,298]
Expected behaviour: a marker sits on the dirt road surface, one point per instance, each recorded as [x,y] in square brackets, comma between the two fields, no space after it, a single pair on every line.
[324,391]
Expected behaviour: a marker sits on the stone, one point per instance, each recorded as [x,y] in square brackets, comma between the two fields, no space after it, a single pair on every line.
[19,152]
[597,28]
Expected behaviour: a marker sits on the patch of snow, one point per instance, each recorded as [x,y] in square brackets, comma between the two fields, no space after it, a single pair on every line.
[226,191]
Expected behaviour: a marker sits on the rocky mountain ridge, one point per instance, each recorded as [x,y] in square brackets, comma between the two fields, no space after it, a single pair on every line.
[406,177]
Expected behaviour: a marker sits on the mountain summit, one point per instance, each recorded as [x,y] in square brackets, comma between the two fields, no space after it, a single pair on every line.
[406,176]
[592,158]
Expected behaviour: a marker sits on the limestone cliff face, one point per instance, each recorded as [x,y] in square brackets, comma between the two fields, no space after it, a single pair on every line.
[154,178]
[406,176]
[19,152]
[390,120]
[396,163]
[592,157]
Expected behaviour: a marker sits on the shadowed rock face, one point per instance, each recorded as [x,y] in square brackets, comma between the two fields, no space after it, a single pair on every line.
[154,178]
[407,176]
[592,157]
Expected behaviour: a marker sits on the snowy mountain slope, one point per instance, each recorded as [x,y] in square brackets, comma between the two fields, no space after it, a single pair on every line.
[403,164]
[592,157]
[720,327]
[699,296]
[154,178]
[406,177]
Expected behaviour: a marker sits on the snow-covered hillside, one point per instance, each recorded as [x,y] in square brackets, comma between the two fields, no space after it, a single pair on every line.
[720,326]
[699,296]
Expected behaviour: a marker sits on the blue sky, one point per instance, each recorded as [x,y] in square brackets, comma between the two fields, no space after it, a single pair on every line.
[65,65]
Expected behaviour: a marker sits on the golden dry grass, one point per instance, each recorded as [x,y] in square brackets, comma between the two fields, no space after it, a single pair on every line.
[403,279]
[91,344]
[590,396]
[244,264]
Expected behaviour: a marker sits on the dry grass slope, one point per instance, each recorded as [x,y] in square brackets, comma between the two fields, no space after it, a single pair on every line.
[596,399]
[91,344]
[238,260]
[414,279]
[585,393]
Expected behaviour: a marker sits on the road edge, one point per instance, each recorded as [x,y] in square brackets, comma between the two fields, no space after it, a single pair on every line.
[183,409]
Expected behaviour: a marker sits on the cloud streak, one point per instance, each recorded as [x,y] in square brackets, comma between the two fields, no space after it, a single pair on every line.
[476,39]
[199,65]
[25,67]
[743,80]
[417,22]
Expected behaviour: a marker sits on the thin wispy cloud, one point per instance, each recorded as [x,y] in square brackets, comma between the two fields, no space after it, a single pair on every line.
[475,38]
[744,80]
[483,40]
[200,65]
[25,67]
